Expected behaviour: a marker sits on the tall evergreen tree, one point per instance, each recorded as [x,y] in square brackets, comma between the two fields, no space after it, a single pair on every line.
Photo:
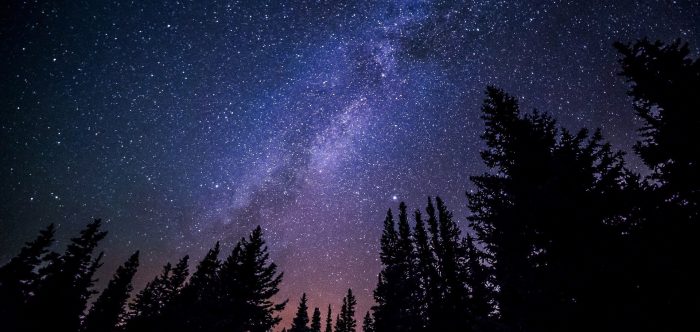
[664,83]
[434,287]
[346,322]
[300,323]
[108,309]
[193,307]
[426,295]
[529,214]
[19,278]
[367,323]
[397,308]
[329,320]
[481,294]
[316,320]
[248,281]
[67,284]
[146,312]
[176,279]
[452,310]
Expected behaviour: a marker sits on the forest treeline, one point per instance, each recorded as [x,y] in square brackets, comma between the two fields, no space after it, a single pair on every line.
[563,237]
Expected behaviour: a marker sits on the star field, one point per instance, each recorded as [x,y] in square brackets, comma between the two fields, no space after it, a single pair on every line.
[183,123]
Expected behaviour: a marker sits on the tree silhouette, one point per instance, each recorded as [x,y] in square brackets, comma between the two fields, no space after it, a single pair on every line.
[665,81]
[329,320]
[427,294]
[397,307]
[316,320]
[148,308]
[67,284]
[346,322]
[301,320]
[481,293]
[247,282]
[452,311]
[19,278]
[549,195]
[108,309]
[430,278]
[367,323]
[193,307]
[433,285]
[664,84]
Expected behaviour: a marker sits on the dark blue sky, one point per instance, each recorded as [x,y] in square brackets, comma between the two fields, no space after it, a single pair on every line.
[183,123]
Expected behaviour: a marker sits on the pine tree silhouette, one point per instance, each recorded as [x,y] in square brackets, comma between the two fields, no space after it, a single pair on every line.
[427,294]
[247,282]
[664,83]
[529,215]
[329,320]
[434,287]
[316,320]
[481,293]
[146,312]
[396,294]
[67,284]
[108,309]
[346,322]
[19,278]
[452,311]
[367,323]
[301,320]
[193,307]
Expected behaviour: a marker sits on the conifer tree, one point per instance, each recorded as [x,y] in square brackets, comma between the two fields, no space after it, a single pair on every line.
[452,311]
[149,304]
[346,322]
[329,320]
[433,226]
[67,284]
[495,218]
[426,296]
[389,240]
[316,320]
[176,279]
[481,294]
[367,323]
[108,309]
[349,315]
[19,277]
[398,286]
[528,214]
[247,282]
[300,323]
[404,245]
[664,82]
[434,285]
[204,277]
[193,307]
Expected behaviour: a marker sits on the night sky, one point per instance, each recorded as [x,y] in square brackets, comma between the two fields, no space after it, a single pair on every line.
[184,123]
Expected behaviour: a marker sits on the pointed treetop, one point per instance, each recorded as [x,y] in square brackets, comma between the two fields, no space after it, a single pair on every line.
[316,320]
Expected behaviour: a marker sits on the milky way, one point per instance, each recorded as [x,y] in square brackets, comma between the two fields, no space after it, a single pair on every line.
[186,123]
